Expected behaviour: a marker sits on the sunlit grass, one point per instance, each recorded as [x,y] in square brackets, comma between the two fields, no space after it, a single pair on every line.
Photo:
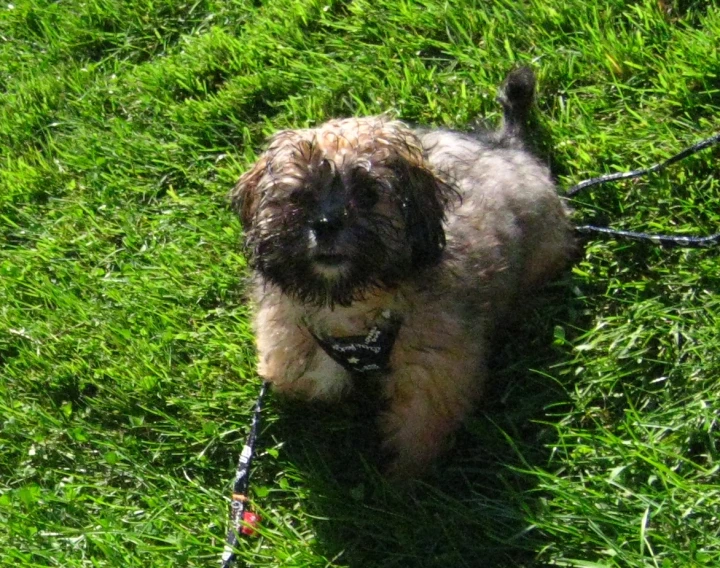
[126,359]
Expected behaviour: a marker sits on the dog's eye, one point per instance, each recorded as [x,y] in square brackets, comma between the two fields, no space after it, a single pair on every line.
[301,197]
[365,197]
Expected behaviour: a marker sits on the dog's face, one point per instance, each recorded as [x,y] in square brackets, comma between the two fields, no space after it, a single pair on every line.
[331,212]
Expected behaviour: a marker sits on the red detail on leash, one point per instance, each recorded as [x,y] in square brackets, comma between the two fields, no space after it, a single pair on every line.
[251,521]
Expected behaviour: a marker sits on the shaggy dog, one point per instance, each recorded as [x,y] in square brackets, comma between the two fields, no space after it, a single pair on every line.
[386,250]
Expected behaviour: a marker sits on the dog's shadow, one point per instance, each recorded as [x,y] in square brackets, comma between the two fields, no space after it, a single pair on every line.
[474,508]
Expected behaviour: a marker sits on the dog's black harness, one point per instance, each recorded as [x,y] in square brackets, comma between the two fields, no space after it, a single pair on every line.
[361,354]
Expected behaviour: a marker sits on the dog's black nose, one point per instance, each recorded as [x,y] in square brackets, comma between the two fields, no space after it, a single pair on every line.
[328,223]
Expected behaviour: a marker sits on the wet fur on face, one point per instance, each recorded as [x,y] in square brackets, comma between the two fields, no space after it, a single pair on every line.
[333,212]
[445,232]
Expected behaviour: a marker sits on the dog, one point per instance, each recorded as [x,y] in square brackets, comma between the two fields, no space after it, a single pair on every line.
[386,252]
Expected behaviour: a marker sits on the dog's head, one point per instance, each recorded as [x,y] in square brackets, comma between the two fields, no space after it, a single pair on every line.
[331,212]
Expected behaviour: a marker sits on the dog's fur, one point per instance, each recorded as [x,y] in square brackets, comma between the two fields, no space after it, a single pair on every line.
[362,217]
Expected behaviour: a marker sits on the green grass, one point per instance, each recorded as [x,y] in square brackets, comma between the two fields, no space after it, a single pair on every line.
[126,358]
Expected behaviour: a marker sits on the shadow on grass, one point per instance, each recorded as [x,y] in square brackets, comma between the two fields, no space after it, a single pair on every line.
[472,509]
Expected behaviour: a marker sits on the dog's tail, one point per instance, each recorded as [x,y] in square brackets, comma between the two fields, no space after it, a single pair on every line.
[516,96]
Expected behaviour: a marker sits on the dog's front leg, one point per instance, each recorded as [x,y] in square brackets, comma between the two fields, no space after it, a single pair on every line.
[290,358]
[438,369]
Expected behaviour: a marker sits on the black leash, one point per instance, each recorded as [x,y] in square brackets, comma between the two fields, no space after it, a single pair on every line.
[706,143]
[667,241]
[242,520]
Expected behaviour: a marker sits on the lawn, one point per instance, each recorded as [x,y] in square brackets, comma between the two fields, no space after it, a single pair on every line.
[126,357]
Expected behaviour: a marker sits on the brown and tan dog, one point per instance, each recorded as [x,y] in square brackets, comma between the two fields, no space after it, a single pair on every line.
[384,249]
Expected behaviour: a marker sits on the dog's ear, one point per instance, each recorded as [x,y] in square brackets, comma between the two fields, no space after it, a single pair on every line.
[244,197]
[424,198]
